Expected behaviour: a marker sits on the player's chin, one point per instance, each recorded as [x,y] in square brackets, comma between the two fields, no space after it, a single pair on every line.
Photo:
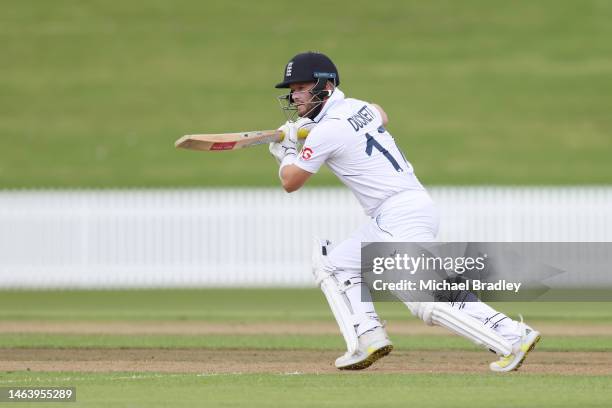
[303,110]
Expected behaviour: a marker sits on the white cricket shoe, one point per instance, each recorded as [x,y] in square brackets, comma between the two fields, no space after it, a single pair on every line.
[520,349]
[373,345]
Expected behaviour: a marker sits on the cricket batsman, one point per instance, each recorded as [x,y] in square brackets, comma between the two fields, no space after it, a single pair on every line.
[350,137]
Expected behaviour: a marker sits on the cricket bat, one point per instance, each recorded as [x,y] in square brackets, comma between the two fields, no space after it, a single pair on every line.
[232,141]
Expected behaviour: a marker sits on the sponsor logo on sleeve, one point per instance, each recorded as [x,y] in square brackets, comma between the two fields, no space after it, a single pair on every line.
[306,153]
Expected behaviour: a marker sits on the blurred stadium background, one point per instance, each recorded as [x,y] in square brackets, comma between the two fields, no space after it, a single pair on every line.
[503,108]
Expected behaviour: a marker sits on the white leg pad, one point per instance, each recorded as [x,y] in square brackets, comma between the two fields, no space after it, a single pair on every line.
[342,313]
[323,272]
[443,314]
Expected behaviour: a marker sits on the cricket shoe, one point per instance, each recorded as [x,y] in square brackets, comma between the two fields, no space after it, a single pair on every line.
[520,349]
[373,345]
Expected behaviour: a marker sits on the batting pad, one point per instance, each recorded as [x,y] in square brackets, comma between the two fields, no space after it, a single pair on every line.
[442,314]
[339,303]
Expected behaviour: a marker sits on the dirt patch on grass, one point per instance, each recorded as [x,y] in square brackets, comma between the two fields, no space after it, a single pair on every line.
[206,361]
[410,327]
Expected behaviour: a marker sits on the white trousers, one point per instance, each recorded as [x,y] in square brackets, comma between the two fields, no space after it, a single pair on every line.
[406,217]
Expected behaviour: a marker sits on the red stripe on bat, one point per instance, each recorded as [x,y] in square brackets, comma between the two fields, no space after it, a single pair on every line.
[223,146]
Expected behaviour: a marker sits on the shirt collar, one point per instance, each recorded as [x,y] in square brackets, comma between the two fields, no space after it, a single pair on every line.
[336,96]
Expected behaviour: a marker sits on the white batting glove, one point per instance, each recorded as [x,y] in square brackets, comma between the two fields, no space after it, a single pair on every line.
[301,124]
[279,152]
[290,129]
[288,146]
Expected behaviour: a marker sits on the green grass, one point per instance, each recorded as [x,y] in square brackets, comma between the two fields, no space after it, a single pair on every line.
[365,389]
[359,390]
[478,92]
[248,306]
[274,342]
[238,305]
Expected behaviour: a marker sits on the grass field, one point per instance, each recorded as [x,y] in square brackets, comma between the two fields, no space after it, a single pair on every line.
[258,348]
[93,94]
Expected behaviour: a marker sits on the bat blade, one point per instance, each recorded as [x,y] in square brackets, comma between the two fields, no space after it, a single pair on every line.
[231,141]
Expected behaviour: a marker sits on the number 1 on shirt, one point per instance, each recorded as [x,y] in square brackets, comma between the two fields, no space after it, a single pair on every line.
[374,143]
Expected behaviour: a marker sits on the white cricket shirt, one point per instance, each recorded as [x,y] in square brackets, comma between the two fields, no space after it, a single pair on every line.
[350,138]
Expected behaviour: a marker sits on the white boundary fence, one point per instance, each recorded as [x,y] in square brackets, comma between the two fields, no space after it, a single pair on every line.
[248,237]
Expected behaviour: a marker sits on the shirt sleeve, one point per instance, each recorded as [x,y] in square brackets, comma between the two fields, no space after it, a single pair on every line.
[321,144]
[377,115]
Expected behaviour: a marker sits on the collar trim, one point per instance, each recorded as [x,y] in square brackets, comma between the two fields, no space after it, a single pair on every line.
[336,96]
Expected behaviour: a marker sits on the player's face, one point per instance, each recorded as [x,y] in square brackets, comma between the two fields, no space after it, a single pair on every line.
[302,98]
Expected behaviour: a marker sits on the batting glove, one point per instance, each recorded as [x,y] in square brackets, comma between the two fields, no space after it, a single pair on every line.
[288,146]
[304,123]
